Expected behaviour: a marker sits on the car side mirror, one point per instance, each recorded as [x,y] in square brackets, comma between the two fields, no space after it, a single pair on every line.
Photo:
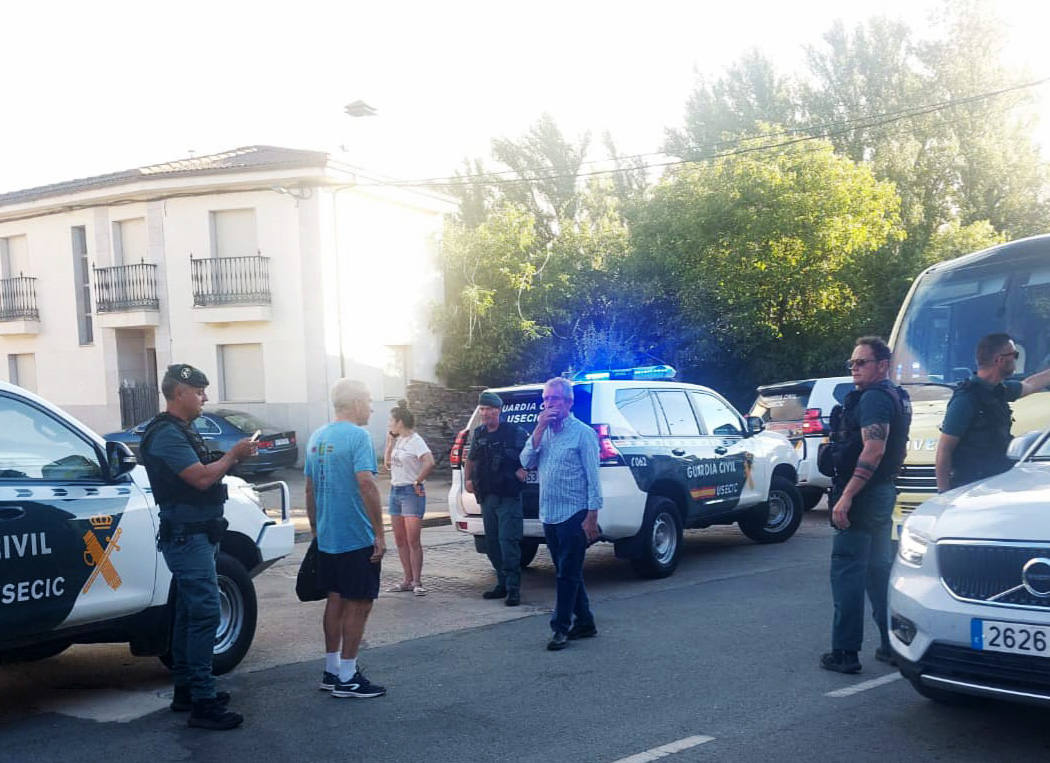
[755,424]
[119,459]
[1020,445]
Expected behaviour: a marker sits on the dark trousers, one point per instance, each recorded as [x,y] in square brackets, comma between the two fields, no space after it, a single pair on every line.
[502,517]
[861,557]
[191,559]
[567,544]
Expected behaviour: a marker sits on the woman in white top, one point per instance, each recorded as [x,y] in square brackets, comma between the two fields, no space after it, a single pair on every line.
[410,462]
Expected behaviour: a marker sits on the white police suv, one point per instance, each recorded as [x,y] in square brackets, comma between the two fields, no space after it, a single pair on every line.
[78,551]
[673,456]
[969,597]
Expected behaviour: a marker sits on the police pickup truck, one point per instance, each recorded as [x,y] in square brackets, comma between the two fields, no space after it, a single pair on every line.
[78,552]
[672,456]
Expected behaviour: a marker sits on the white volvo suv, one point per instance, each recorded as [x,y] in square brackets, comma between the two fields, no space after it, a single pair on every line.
[969,598]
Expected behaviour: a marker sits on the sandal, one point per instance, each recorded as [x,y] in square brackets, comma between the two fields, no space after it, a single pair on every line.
[400,588]
[419,590]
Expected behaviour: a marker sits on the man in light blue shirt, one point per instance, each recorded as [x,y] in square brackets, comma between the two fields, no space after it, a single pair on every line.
[565,450]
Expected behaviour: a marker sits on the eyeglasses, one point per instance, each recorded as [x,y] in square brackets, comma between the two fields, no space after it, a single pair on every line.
[859,362]
[1015,354]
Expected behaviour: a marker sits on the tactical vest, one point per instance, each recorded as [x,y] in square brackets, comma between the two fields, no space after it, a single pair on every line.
[847,442]
[496,459]
[168,487]
[981,451]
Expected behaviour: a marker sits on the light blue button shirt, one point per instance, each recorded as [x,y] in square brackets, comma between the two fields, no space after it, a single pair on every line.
[568,470]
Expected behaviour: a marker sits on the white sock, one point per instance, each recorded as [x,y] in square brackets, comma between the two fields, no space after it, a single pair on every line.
[347,668]
[331,662]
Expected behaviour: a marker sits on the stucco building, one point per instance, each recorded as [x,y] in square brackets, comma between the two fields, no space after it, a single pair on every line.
[274,270]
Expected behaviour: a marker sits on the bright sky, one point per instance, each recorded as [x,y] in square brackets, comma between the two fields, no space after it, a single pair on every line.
[103,86]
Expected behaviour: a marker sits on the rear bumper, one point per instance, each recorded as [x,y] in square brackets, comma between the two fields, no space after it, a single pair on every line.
[267,462]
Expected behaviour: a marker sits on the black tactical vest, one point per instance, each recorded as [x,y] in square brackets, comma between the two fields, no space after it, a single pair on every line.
[981,451]
[495,457]
[168,487]
[847,441]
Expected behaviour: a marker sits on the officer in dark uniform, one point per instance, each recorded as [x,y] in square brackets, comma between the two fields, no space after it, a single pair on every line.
[187,484]
[870,434]
[976,429]
[494,475]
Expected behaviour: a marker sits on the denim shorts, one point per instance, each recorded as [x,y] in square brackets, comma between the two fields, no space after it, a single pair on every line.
[405,503]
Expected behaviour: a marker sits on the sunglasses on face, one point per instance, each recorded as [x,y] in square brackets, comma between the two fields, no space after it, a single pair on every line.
[1015,354]
[859,362]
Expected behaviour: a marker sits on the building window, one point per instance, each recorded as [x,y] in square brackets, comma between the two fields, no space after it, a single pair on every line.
[241,373]
[14,257]
[21,370]
[395,372]
[82,284]
[233,233]
[130,241]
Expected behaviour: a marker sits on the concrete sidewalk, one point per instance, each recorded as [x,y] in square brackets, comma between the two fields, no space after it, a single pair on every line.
[437,498]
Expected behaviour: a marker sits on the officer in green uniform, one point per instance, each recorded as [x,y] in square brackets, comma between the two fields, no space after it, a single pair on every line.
[187,484]
[976,429]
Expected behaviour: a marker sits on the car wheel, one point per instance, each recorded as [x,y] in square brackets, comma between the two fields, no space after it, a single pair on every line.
[777,519]
[942,696]
[660,540]
[528,551]
[811,496]
[238,611]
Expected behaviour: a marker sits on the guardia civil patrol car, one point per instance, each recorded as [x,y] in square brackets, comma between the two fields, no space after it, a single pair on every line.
[78,552]
[673,456]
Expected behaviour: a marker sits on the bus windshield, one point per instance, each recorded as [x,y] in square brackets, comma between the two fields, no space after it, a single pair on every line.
[952,307]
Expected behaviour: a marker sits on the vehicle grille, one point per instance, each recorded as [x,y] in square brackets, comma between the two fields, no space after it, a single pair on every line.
[1018,670]
[917,479]
[979,572]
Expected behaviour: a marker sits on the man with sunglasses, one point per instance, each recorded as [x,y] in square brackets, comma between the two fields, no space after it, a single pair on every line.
[976,429]
[868,447]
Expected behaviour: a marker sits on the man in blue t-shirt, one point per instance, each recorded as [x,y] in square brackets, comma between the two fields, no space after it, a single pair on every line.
[976,429]
[342,503]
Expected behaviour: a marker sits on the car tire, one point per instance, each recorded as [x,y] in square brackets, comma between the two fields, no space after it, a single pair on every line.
[529,548]
[659,543]
[811,496]
[238,609]
[943,697]
[776,520]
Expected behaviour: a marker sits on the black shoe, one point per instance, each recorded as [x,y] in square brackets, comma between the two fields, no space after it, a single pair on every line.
[840,661]
[513,598]
[496,593]
[558,641]
[328,681]
[182,702]
[213,715]
[359,687]
[885,654]
[582,631]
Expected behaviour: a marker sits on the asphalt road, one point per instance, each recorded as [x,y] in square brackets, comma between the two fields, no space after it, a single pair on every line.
[717,662]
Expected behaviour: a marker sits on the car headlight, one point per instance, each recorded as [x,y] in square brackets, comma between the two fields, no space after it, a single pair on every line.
[914,542]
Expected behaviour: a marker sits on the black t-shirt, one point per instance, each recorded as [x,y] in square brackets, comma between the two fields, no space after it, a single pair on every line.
[494,458]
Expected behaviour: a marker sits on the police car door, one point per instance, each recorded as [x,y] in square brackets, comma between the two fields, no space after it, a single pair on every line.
[735,480]
[694,454]
[70,542]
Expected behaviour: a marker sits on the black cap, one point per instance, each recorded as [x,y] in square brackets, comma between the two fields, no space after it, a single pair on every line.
[184,373]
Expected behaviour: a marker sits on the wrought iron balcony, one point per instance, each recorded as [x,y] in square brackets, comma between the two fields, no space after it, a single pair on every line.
[126,287]
[230,281]
[18,299]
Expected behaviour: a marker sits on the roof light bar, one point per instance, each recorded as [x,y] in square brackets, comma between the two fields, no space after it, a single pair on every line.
[638,372]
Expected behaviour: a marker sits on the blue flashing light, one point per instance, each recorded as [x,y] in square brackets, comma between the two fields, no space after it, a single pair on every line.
[639,372]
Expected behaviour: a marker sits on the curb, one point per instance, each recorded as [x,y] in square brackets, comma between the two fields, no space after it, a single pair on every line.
[434,520]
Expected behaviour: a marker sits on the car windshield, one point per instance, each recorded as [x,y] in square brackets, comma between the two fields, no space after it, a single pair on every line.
[953,307]
[243,421]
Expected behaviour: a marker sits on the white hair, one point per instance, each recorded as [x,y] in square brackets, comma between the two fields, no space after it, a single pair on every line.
[560,381]
[346,391]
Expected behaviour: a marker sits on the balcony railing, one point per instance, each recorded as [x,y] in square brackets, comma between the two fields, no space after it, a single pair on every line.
[126,287]
[18,299]
[230,281]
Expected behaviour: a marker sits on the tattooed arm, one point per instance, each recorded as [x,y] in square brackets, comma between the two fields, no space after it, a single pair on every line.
[874,436]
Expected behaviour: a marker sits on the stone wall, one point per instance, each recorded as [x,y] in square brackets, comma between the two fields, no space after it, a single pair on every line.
[440,415]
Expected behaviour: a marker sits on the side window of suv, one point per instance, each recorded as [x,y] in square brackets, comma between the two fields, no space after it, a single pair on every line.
[719,418]
[679,415]
[35,446]
[636,405]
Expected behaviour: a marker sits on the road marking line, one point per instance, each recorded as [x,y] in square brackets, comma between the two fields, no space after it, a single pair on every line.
[667,749]
[864,686]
